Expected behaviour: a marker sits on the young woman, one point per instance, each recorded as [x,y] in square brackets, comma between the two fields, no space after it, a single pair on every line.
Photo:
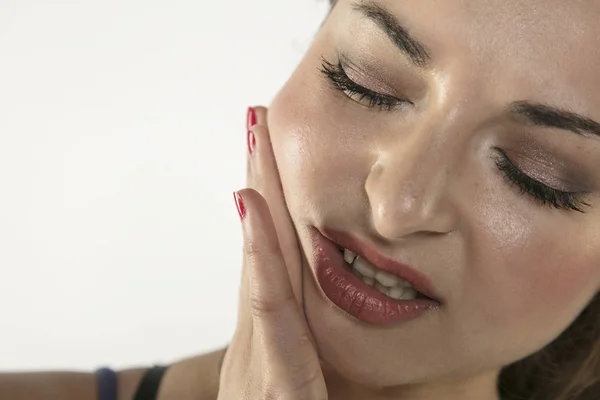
[422,217]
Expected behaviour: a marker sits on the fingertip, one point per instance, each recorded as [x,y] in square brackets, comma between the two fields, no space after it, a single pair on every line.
[240,205]
[254,211]
[261,115]
[261,243]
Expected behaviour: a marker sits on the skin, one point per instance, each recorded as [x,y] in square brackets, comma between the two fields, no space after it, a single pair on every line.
[422,185]
[195,378]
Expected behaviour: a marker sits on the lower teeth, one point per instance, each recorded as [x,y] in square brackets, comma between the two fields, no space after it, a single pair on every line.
[396,293]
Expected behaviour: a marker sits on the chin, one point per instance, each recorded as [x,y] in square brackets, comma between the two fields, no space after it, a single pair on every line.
[368,355]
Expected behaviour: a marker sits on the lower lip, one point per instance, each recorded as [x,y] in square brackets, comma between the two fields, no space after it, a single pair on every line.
[358,299]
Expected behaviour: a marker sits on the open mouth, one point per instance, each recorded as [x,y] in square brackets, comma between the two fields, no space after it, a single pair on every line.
[364,259]
[370,287]
[390,285]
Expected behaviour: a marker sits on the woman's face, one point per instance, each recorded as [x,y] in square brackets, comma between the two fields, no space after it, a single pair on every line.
[472,166]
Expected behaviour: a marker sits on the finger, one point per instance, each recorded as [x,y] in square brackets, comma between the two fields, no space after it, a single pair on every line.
[263,176]
[256,115]
[261,115]
[263,254]
[267,181]
[278,324]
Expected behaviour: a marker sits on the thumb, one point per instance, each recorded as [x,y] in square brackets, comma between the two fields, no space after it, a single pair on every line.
[279,325]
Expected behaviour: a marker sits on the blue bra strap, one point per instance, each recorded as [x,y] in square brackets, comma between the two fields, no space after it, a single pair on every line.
[107,384]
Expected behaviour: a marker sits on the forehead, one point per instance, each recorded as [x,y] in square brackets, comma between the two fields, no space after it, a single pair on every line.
[550,46]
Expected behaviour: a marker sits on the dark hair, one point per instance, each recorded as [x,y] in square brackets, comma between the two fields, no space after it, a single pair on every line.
[566,369]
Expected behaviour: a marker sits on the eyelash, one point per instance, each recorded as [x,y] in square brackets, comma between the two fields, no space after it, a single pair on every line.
[544,194]
[341,81]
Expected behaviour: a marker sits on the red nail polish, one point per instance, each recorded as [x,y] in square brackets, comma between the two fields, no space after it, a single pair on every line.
[239,203]
[251,142]
[250,118]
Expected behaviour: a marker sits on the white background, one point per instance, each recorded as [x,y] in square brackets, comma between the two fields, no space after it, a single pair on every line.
[122,137]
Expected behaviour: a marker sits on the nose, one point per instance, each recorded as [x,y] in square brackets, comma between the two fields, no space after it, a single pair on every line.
[408,188]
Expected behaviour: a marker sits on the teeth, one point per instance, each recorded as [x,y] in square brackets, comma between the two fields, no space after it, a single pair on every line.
[349,256]
[365,268]
[409,294]
[388,284]
[381,288]
[368,281]
[386,279]
[396,293]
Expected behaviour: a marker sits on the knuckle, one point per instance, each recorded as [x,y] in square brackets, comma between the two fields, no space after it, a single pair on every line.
[260,252]
[261,306]
[254,251]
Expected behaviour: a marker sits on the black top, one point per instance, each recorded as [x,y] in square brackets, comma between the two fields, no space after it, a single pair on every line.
[148,389]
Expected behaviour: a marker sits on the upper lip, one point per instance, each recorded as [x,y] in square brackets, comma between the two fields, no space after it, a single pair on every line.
[417,279]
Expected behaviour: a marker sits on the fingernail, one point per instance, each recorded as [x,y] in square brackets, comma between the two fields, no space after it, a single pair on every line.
[250,118]
[239,203]
[251,142]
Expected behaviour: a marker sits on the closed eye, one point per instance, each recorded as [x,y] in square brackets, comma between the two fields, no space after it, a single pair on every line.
[358,93]
[542,193]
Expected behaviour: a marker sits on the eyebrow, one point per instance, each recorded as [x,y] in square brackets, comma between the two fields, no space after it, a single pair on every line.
[536,113]
[416,51]
[552,117]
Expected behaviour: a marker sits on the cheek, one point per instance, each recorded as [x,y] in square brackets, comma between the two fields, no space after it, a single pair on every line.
[315,153]
[536,268]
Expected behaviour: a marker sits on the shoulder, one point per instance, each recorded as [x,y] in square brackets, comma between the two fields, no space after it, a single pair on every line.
[194,378]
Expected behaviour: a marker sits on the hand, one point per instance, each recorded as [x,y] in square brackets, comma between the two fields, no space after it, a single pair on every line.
[262,175]
[272,355]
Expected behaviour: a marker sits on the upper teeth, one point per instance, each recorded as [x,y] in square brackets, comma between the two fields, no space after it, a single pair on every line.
[390,285]
[349,256]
